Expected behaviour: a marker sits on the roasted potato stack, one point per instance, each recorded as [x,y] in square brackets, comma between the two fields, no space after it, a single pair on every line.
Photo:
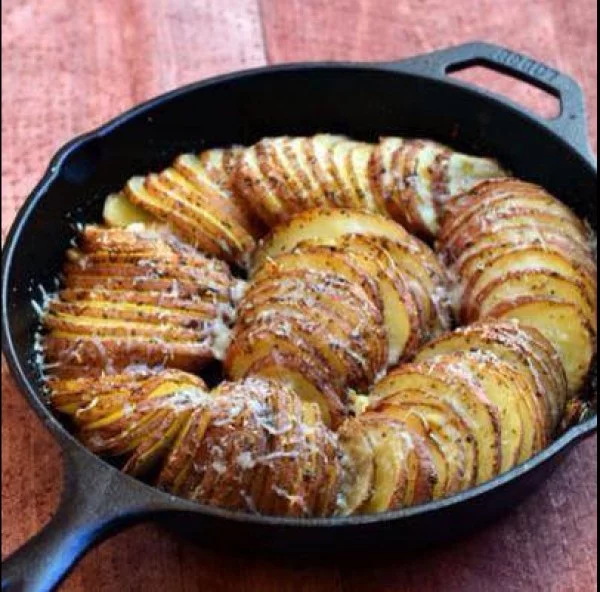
[137,296]
[473,404]
[415,178]
[524,348]
[314,319]
[386,465]
[519,253]
[195,198]
[136,416]
[257,447]
[380,240]
[408,180]
[280,177]
[336,297]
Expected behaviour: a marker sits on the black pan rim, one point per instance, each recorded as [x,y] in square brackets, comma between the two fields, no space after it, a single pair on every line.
[173,503]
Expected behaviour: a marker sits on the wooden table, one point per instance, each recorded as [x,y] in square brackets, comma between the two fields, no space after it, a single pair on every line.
[68,65]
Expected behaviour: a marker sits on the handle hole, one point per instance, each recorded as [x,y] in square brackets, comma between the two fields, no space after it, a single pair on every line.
[534,99]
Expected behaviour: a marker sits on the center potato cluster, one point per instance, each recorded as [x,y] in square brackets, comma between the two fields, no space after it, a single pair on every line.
[336,297]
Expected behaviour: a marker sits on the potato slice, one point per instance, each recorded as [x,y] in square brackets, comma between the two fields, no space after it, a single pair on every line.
[255,459]
[329,224]
[501,393]
[537,283]
[297,150]
[349,302]
[391,444]
[563,324]
[320,259]
[467,399]
[503,341]
[469,234]
[522,236]
[385,177]
[358,464]
[135,416]
[400,310]
[360,156]
[166,208]
[119,211]
[487,208]
[310,384]
[347,354]
[445,428]
[212,173]
[525,259]
[340,158]
[137,296]
[541,349]
[318,155]
[417,163]
[255,189]
[352,309]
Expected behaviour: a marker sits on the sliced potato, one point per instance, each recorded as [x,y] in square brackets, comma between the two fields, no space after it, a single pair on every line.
[528,258]
[522,236]
[119,211]
[360,157]
[522,196]
[136,296]
[503,341]
[391,444]
[212,173]
[537,283]
[255,459]
[340,165]
[447,430]
[328,224]
[358,464]
[255,189]
[478,412]
[166,208]
[500,392]
[469,234]
[134,416]
[312,385]
[318,150]
[400,310]
[563,324]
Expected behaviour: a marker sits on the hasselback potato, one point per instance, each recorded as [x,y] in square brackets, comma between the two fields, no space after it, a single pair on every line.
[336,296]
[519,253]
[223,199]
[137,296]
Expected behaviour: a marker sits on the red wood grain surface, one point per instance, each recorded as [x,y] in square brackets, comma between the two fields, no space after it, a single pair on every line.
[68,65]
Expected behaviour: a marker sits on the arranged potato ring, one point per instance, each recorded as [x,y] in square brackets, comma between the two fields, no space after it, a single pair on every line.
[345,391]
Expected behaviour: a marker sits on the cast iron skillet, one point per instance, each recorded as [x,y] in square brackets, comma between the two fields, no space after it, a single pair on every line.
[411,98]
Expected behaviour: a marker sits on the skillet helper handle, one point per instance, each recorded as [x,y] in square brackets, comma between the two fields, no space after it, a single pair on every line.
[92,506]
[571,122]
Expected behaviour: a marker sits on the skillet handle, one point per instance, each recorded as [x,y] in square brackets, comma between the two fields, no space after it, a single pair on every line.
[570,124]
[94,504]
